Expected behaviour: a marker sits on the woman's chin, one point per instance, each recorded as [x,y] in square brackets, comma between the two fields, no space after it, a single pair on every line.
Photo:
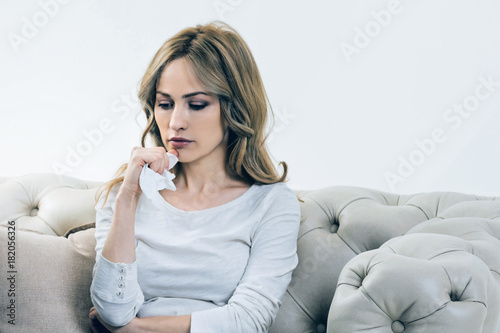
[182,156]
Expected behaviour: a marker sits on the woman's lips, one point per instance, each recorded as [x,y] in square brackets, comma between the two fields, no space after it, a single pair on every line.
[178,142]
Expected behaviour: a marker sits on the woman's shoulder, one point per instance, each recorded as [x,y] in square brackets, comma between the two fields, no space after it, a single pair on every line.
[277,206]
[277,194]
[274,189]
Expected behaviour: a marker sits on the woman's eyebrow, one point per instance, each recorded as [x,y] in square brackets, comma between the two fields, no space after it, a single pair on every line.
[184,96]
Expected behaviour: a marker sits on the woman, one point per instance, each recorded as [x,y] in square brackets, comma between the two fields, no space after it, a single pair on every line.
[217,254]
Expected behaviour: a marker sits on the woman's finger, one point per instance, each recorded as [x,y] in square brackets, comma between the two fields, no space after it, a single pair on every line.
[174,152]
[92,325]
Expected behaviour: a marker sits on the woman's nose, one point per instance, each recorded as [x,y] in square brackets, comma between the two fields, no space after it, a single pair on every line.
[179,119]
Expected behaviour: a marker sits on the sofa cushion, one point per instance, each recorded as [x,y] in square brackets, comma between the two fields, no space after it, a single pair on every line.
[51,281]
[442,276]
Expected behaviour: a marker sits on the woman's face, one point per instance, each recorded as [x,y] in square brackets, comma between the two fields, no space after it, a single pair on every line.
[188,116]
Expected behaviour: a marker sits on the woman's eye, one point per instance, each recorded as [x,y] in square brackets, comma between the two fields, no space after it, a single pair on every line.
[197,106]
[166,106]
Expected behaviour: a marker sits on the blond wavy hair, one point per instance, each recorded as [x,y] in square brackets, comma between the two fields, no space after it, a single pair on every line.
[224,64]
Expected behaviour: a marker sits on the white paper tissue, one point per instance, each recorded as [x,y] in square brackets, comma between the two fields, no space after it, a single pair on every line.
[151,182]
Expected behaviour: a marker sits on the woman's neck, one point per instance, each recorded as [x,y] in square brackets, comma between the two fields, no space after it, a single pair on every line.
[204,186]
[197,177]
[204,175]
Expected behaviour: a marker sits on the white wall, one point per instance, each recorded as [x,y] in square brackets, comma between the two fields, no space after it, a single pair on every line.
[350,107]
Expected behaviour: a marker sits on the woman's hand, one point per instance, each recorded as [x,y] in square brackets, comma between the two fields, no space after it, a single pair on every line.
[171,324]
[157,159]
[120,242]
[99,326]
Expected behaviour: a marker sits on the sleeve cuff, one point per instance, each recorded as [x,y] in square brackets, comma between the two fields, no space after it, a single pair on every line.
[115,282]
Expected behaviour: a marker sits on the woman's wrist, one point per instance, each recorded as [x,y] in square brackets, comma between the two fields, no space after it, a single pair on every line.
[133,326]
[139,325]
[158,324]
[127,198]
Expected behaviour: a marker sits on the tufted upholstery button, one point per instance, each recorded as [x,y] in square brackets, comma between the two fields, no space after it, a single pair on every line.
[397,326]
[334,228]
[34,211]
[321,328]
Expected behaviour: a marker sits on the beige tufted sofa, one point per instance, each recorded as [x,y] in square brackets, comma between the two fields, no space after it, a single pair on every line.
[369,261]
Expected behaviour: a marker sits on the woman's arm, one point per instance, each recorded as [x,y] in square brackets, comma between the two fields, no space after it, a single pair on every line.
[115,290]
[160,324]
[273,255]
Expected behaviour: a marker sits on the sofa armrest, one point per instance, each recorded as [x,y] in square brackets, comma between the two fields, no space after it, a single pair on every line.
[48,203]
[419,282]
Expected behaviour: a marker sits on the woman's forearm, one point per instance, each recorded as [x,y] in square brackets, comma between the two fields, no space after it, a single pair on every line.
[120,242]
[160,324]
[115,291]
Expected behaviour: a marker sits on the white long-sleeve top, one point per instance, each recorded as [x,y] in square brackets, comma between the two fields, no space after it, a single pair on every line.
[227,266]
